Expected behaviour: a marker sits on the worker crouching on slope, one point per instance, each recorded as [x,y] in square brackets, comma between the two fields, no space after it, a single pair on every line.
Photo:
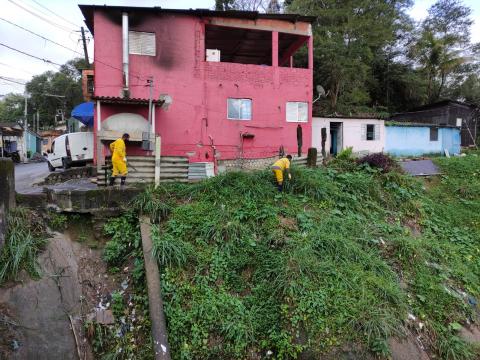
[279,167]
[119,159]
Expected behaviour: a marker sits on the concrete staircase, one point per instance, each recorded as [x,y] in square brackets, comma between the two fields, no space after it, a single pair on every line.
[141,170]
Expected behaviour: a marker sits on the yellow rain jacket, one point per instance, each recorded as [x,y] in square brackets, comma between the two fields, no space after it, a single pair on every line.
[279,167]
[119,160]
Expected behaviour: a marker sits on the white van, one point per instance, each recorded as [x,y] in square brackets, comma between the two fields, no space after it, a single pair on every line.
[70,149]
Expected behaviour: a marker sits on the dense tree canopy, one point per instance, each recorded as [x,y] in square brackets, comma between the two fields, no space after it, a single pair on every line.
[370,57]
[65,82]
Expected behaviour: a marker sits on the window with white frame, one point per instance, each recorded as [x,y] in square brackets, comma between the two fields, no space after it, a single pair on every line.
[239,109]
[370,132]
[141,43]
[297,111]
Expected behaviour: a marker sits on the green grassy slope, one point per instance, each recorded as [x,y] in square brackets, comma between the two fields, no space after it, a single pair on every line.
[345,256]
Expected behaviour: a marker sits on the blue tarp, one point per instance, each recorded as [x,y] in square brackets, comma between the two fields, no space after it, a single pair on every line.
[84,113]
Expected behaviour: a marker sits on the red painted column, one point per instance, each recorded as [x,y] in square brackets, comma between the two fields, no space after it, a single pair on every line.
[275,48]
[310,52]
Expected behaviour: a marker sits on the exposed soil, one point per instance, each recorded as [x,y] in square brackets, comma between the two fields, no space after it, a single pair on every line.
[471,334]
[407,349]
[40,312]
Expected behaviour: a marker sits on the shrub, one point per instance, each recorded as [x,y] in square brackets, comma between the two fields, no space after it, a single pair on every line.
[24,240]
[380,161]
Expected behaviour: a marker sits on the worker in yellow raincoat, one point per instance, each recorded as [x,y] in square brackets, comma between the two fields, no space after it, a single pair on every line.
[280,166]
[119,159]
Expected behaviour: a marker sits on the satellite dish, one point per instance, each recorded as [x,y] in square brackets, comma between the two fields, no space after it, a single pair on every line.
[320,90]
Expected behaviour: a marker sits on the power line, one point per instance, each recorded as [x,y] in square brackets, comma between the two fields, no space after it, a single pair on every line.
[58,16]
[139,77]
[64,28]
[13,81]
[17,68]
[40,36]
[33,56]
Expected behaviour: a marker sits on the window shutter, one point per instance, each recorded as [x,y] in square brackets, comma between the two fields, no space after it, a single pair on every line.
[302,112]
[141,43]
[364,132]
[292,111]
[377,132]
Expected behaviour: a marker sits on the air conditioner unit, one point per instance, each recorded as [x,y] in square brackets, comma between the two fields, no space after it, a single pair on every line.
[213,55]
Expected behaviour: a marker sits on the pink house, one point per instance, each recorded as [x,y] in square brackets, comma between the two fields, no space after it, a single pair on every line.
[224,85]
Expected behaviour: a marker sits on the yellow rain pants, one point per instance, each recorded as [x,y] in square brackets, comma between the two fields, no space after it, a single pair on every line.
[119,161]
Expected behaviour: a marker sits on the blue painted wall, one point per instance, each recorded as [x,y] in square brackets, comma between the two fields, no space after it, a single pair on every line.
[415,140]
[33,143]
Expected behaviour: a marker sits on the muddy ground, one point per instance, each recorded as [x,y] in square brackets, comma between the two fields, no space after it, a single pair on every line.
[36,316]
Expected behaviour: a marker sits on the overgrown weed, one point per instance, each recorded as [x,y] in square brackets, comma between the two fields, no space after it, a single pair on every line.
[240,283]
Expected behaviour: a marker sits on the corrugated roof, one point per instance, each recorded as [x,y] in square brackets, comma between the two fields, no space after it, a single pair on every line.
[88,10]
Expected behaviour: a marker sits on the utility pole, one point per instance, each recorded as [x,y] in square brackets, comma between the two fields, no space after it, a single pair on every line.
[25,130]
[38,121]
[85,51]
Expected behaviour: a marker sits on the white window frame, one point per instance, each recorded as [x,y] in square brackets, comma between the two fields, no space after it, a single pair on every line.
[297,104]
[142,51]
[241,100]
[376,132]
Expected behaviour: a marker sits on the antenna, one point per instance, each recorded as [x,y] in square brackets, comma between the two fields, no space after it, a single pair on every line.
[321,92]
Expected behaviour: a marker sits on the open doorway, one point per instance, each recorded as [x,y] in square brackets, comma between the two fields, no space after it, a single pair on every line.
[336,138]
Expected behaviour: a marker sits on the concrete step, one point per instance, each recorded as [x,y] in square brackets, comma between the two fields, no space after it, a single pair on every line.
[172,176]
[173,170]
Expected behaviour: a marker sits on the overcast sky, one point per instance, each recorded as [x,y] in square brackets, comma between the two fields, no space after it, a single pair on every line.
[63,23]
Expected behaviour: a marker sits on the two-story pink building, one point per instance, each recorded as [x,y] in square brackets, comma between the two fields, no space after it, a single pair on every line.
[224,85]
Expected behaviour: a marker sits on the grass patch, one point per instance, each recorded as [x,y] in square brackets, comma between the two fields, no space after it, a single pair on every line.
[342,257]
[25,238]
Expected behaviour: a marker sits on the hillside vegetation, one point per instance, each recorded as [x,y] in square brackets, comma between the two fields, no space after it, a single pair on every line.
[347,256]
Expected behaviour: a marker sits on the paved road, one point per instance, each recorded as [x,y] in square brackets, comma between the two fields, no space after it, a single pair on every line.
[26,175]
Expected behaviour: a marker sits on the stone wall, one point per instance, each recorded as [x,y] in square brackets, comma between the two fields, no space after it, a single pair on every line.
[70,174]
[258,164]
[7,194]
[245,164]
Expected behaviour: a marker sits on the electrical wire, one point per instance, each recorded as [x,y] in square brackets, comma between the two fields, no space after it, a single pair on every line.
[139,77]
[13,81]
[17,68]
[54,13]
[61,27]
[33,56]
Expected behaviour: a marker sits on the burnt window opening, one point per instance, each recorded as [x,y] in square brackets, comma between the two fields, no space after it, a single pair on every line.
[433,134]
[90,84]
[292,50]
[236,45]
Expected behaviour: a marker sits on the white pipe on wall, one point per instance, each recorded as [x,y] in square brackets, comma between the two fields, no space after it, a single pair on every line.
[125,51]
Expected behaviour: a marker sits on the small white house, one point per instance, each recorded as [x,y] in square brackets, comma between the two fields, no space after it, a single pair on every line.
[363,135]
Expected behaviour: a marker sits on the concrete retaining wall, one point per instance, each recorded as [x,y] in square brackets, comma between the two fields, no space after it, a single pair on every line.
[70,174]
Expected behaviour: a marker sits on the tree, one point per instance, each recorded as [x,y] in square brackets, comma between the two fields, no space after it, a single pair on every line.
[12,108]
[66,82]
[224,5]
[440,47]
[347,36]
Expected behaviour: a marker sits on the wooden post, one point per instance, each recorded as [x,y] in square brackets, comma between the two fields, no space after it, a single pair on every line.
[312,157]
[155,302]
[7,195]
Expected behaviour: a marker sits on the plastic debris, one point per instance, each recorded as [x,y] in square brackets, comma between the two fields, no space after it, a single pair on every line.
[15,345]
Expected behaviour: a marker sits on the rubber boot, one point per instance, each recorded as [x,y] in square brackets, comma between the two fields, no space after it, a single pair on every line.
[122,180]
[112,181]
[280,187]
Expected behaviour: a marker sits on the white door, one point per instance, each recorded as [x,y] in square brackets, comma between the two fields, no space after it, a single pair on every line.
[58,152]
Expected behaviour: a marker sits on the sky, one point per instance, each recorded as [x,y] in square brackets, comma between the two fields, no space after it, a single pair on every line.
[62,25]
